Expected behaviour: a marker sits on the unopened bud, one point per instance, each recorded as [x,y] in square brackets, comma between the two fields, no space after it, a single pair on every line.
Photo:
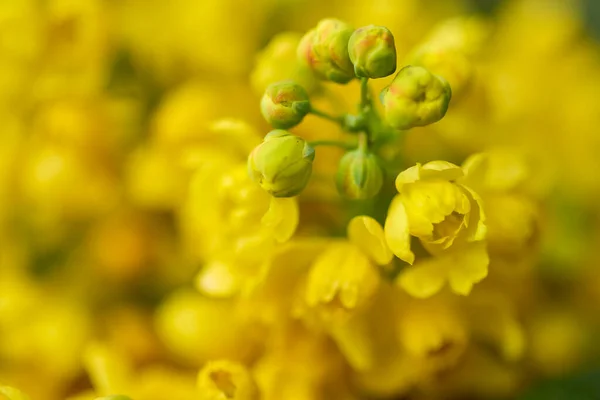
[284,104]
[416,97]
[372,51]
[325,51]
[359,175]
[281,164]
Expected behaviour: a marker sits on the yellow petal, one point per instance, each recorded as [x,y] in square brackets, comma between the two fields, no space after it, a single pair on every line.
[396,231]
[431,200]
[442,170]
[424,279]
[366,233]
[409,175]
[344,273]
[467,267]
[282,218]
[477,229]
[434,170]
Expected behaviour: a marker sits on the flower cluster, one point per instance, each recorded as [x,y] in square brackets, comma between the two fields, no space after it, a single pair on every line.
[198,204]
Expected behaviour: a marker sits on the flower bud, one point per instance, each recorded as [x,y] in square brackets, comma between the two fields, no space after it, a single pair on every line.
[325,50]
[372,51]
[284,104]
[416,97]
[359,175]
[281,164]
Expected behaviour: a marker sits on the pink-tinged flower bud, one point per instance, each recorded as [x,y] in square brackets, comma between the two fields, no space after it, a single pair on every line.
[325,50]
[284,104]
[416,97]
[372,51]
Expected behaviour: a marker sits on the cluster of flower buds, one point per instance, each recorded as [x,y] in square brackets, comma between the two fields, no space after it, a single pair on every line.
[336,52]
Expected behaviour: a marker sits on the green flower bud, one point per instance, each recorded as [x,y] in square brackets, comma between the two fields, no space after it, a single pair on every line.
[284,104]
[359,175]
[281,164]
[372,51]
[325,51]
[416,97]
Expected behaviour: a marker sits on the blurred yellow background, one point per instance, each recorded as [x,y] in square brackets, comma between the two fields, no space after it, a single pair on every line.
[123,125]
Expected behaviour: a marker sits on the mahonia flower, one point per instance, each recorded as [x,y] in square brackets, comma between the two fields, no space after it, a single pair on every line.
[344,277]
[501,178]
[448,219]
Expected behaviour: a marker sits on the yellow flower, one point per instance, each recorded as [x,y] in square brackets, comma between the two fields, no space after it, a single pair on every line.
[223,379]
[341,279]
[448,220]
[433,330]
[240,224]
[185,322]
[433,207]
[501,178]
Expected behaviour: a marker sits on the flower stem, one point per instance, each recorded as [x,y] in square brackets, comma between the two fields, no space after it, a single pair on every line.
[364,93]
[323,114]
[336,143]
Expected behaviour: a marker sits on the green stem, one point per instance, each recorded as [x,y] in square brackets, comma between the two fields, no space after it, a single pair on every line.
[363,141]
[322,114]
[343,145]
[364,93]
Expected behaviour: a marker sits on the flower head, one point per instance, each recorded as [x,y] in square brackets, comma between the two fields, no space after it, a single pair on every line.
[447,218]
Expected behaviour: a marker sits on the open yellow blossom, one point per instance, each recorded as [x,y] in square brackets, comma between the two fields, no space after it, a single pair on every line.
[433,330]
[448,220]
[185,322]
[341,279]
[433,207]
